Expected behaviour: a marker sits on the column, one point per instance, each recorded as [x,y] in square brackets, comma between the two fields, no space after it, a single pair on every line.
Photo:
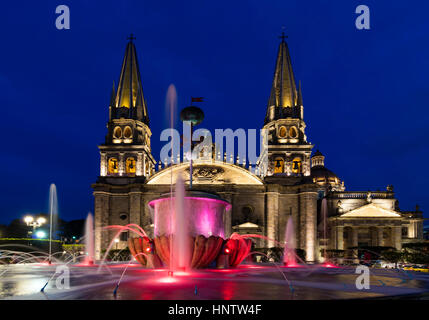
[380,236]
[355,241]
[121,164]
[340,237]
[355,237]
[397,237]
[101,219]
[103,164]
[228,216]
[332,238]
[311,226]
[144,165]
[139,169]
[135,208]
[272,214]
[373,232]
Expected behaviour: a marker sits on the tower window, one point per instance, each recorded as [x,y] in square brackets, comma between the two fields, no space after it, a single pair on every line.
[296,165]
[131,165]
[293,133]
[128,133]
[282,132]
[113,166]
[279,165]
[117,133]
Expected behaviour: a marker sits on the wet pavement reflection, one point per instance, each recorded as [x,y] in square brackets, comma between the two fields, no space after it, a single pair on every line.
[244,283]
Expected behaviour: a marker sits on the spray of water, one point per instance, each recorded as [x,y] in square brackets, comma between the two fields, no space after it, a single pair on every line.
[180,253]
[53,215]
[89,240]
[289,255]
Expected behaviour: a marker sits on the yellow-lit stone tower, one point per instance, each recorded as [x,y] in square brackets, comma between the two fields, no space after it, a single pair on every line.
[126,151]
[288,150]
[126,160]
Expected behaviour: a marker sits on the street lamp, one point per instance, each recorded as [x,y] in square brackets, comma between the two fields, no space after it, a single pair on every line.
[29,221]
[40,234]
[116,241]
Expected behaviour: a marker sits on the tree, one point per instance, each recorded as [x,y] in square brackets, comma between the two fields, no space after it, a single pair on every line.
[74,228]
[3,230]
[417,253]
[393,256]
[17,229]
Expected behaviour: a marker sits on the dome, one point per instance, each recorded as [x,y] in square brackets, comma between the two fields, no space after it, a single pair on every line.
[322,172]
[323,176]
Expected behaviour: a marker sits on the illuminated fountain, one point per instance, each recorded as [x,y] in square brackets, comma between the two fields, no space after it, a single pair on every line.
[289,255]
[326,262]
[191,223]
[189,230]
[89,240]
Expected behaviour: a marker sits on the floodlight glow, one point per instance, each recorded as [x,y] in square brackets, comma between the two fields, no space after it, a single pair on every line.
[41,220]
[40,234]
[28,219]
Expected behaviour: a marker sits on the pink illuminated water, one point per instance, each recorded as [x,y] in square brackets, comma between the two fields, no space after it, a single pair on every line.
[289,255]
[324,217]
[89,240]
[204,213]
[180,255]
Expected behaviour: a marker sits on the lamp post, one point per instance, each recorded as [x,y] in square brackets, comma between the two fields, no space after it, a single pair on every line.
[29,221]
[194,116]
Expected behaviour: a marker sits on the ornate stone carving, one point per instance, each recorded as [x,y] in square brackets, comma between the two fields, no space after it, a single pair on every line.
[206,172]
[369,197]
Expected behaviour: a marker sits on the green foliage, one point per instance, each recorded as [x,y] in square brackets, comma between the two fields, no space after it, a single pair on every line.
[393,256]
[276,254]
[27,245]
[118,254]
[333,253]
[73,248]
[417,253]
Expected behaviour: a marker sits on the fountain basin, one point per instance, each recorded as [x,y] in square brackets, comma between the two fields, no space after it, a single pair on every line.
[189,232]
[204,214]
[204,250]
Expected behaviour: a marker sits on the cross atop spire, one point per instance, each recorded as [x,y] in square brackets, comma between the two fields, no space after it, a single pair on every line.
[131,37]
[283,36]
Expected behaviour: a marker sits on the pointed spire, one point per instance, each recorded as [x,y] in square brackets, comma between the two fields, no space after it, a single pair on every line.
[283,90]
[130,91]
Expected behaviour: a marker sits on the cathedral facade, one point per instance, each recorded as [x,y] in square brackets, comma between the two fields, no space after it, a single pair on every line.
[294,184]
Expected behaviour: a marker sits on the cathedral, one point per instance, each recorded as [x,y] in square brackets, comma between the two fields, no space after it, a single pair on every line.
[294,184]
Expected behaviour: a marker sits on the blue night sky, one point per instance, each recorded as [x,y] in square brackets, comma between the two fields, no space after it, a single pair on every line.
[365,92]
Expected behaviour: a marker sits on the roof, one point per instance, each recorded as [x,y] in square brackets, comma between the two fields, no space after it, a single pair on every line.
[371,210]
[322,172]
[283,90]
[130,91]
[247,225]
